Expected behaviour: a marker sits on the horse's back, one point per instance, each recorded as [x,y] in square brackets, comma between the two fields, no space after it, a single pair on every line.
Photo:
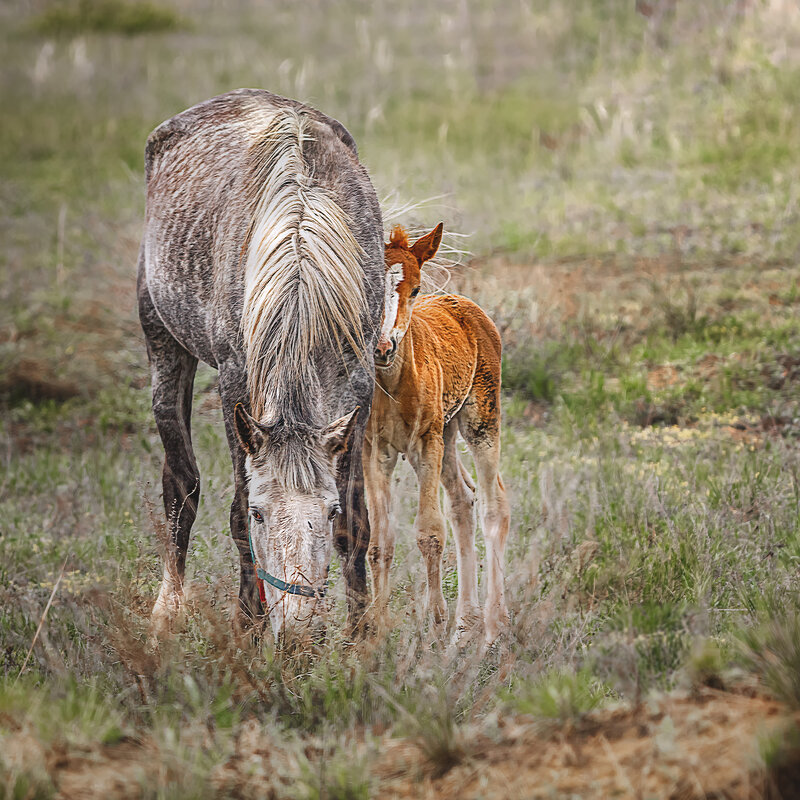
[205,169]
[217,117]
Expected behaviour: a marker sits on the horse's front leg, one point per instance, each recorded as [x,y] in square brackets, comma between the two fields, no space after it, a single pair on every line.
[172,373]
[426,459]
[351,529]
[233,390]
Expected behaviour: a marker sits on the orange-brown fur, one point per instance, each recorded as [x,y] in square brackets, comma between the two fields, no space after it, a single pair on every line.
[443,376]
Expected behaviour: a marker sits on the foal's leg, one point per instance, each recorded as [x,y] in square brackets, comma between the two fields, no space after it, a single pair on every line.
[233,390]
[426,459]
[379,462]
[172,371]
[460,501]
[479,421]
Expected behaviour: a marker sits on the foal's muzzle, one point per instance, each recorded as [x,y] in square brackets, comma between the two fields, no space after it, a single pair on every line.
[385,353]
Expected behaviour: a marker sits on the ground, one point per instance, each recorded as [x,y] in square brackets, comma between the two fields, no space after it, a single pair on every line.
[618,753]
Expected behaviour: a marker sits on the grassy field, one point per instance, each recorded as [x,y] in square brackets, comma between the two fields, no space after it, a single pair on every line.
[620,189]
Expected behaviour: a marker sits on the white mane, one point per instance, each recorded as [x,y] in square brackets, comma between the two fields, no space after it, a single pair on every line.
[304,284]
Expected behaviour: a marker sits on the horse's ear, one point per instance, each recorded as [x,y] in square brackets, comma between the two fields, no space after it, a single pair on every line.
[337,435]
[249,433]
[425,248]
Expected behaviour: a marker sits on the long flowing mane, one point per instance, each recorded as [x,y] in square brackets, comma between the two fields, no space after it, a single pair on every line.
[304,283]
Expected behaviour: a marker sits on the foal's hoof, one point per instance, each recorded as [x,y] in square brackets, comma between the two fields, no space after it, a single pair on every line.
[468,627]
[496,632]
[376,623]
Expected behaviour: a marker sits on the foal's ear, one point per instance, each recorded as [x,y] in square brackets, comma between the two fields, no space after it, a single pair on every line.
[425,248]
[248,431]
[337,435]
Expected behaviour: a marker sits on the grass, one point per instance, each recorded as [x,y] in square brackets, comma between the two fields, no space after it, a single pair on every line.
[628,187]
[339,777]
[772,649]
[104,16]
[559,695]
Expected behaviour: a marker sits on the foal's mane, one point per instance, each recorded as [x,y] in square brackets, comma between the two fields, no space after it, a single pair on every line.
[304,283]
[399,237]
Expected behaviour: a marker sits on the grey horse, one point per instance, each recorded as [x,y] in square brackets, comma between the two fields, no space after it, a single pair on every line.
[262,255]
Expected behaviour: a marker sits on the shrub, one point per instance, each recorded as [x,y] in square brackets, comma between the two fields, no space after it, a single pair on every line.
[531,370]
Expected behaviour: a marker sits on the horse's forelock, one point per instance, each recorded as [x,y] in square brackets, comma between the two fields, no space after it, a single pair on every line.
[294,454]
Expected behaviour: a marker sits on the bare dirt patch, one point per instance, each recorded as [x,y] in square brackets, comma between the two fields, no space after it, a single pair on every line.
[697,745]
[684,747]
[31,380]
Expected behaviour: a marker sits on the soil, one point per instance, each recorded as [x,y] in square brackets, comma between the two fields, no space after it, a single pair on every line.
[691,745]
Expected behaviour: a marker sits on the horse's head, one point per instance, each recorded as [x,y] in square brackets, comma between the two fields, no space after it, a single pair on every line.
[292,504]
[403,277]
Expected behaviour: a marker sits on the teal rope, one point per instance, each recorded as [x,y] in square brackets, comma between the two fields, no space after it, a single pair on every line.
[289,588]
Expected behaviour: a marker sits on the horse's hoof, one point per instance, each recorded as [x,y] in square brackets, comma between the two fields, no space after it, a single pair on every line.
[166,615]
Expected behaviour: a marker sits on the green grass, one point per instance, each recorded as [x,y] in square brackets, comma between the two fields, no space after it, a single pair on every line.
[73,17]
[559,695]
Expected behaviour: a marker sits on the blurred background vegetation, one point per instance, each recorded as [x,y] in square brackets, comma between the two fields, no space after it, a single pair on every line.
[544,130]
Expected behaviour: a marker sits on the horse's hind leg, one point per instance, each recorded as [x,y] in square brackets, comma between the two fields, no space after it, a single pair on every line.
[460,501]
[479,422]
[172,371]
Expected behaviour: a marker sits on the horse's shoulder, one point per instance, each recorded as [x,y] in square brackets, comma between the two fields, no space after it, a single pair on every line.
[160,140]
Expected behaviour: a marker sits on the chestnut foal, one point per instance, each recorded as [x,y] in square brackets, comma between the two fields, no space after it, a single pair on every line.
[437,373]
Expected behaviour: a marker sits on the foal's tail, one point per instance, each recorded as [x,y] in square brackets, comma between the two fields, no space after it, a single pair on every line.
[466,476]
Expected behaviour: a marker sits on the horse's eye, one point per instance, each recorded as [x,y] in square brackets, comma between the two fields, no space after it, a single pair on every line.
[415,292]
[335,510]
[257,515]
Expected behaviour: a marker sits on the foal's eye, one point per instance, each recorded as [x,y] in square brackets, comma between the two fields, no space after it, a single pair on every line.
[257,515]
[415,292]
[332,514]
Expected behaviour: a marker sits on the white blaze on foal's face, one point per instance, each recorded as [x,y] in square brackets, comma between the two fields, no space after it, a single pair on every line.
[401,289]
[391,332]
[403,278]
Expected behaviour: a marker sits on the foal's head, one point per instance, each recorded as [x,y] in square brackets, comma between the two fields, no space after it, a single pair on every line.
[293,501]
[403,277]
